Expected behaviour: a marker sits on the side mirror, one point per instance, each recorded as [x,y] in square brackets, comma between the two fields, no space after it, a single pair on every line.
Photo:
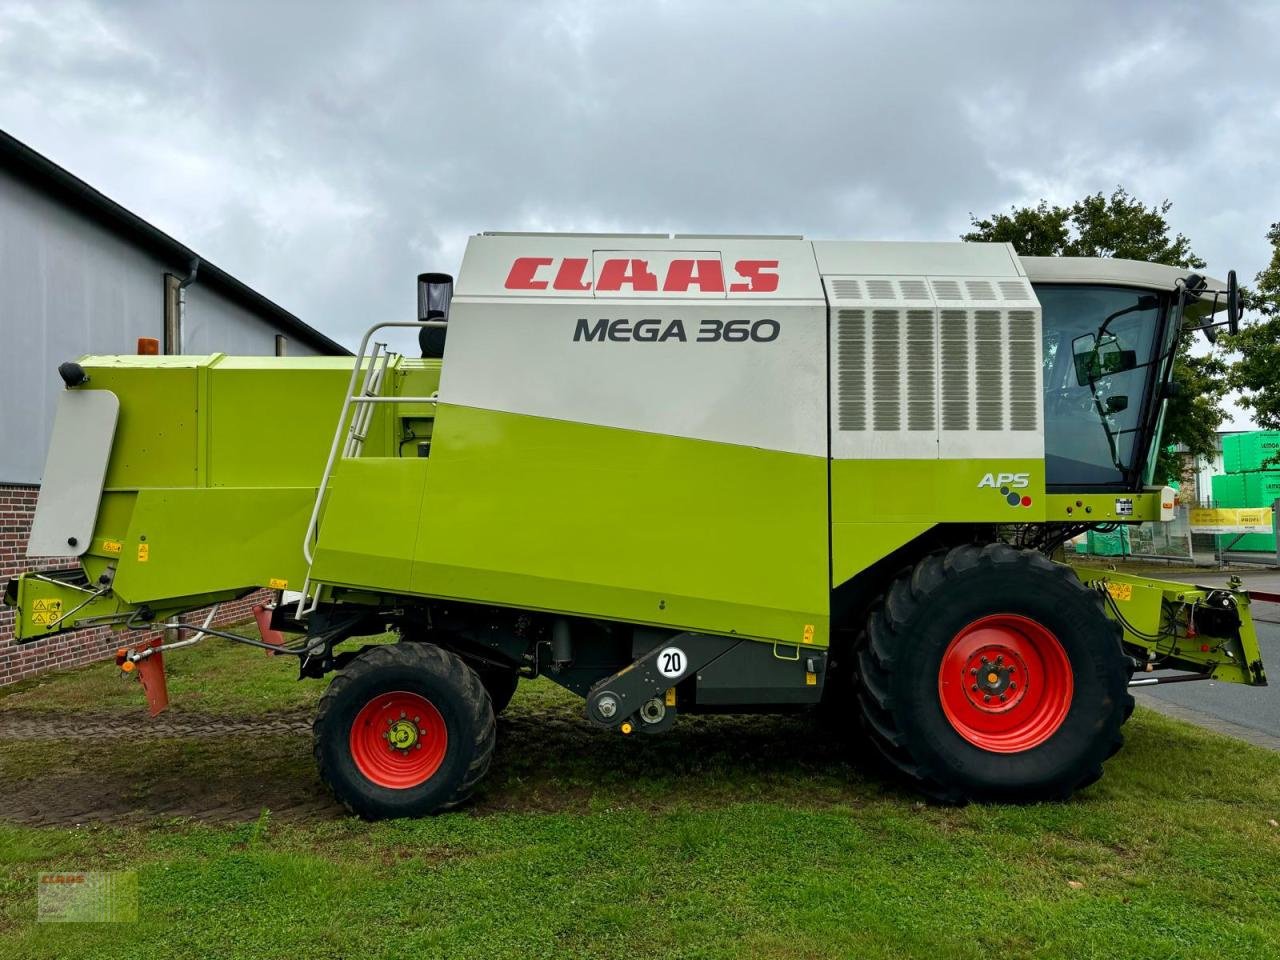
[1233,303]
[1095,359]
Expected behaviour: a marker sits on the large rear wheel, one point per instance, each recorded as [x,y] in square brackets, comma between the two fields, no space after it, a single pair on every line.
[404,730]
[990,673]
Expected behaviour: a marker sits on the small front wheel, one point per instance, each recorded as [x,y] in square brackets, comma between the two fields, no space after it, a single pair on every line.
[404,730]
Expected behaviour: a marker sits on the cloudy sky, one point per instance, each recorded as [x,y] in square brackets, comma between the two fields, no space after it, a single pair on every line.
[325,154]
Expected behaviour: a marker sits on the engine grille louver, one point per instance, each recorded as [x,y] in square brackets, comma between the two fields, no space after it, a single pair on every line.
[988,368]
[886,370]
[846,289]
[851,369]
[957,377]
[943,364]
[921,371]
[1024,384]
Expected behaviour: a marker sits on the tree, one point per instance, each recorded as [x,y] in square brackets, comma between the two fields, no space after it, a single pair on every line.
[1255,371]
[1122,226]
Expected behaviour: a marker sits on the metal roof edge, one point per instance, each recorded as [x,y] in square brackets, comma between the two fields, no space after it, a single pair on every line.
[38,170]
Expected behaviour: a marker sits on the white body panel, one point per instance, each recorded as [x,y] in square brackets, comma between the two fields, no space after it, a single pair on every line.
[770,395]
[515,345]
[930,349]
[74,470]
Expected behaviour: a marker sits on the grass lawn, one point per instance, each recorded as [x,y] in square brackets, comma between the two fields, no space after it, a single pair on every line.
[729,837]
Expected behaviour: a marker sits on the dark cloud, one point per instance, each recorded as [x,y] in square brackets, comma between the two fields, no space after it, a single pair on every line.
[327,153]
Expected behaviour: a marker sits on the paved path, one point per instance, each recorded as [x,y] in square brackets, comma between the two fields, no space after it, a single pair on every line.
[1248,713]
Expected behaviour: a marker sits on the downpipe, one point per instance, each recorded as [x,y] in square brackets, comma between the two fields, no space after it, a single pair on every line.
[174,334]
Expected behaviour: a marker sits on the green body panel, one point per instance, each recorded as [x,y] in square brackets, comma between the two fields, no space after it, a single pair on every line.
[879,505]
[551,515]
[1155,618]
[1101,507]
[215,463]
[44,606]
[371,523]
[223,538]
[635,526]
[214,470]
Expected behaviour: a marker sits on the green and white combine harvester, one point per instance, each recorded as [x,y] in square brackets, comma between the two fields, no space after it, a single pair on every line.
[674,475]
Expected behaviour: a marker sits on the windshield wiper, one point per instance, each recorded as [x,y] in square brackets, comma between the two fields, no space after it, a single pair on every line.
[1106,427]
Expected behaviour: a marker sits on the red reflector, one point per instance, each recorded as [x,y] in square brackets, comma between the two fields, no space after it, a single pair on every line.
[1204,648]
[148,347]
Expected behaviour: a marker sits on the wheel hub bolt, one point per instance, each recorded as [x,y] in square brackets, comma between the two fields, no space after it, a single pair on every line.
[986,698]
[607,706]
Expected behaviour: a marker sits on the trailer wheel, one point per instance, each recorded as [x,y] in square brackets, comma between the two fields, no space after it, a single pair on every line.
[404,730]
[989,673]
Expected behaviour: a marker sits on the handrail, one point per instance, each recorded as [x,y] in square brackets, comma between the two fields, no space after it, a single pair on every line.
[352,397]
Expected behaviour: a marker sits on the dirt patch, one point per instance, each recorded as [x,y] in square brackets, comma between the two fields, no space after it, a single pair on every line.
[138,726]
[69,769]
[91,799]
[107,768]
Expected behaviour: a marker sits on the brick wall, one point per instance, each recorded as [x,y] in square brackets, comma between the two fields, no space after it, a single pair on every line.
[19,661]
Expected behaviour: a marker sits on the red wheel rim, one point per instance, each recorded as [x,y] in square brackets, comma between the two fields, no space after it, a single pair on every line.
[1005,683]
[399,740]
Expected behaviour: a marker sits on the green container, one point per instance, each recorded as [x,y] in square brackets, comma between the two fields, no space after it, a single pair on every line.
[1261,489]
[1228,489]
[1247,452]
[1231,459]
[1252,542]
[1115,544]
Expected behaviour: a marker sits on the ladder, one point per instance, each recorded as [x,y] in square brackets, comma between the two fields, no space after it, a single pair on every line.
[350,434]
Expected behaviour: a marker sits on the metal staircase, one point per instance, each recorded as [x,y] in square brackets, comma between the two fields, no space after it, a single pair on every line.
[352,429]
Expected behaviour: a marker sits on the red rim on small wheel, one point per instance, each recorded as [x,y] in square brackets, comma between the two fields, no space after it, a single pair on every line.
[398,740]
[1005,683]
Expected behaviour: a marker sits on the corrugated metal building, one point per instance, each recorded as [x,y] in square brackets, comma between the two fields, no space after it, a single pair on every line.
[81,274]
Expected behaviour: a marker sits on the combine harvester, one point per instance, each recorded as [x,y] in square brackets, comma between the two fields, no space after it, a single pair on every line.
[674,475]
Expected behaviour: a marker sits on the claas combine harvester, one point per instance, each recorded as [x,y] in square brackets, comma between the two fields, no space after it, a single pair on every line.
[673,475]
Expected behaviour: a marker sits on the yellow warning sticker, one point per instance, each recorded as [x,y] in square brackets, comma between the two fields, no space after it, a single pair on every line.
[275,583]
[45,605]
[144,552]
[1120,591]
[112,546]
[44,619]
[808,633]
[810,679]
